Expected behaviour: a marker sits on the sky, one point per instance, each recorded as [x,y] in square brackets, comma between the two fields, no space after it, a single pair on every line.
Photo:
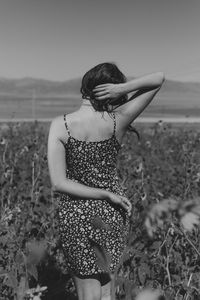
[63,39]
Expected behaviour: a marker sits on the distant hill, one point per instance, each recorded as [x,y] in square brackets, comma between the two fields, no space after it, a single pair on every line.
[54,97]
[42,87]
[191,75]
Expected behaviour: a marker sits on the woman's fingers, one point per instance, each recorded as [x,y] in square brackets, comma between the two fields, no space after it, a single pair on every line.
[101,93]
[102,97]
[126,203]
[99,90]
[102,85]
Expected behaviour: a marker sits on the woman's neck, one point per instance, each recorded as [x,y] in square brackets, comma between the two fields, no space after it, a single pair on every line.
[86,102]
[87,105]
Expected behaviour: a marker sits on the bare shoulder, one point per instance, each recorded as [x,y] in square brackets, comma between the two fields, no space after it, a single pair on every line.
[121,119]
[121,124]
[57,122]
[57,128]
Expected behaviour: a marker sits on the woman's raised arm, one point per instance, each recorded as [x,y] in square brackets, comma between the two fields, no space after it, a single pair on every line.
[145,88]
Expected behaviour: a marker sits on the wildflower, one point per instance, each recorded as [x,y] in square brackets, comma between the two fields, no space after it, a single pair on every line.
[35,293]
[189,171]
[18,209]
[148,143]
[171,150]
[21,152]
[160,194]
[7,173]
[26,148]
[143,196]
[45,157]
[189,220]
[35,156]
[197,177]
[160,123]
[2,141]
[139,168]
[8,217]
[129,157]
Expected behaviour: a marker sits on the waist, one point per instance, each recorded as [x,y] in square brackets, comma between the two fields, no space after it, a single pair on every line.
[111,184]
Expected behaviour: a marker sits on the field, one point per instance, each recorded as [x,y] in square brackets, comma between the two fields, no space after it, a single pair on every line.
[161,172]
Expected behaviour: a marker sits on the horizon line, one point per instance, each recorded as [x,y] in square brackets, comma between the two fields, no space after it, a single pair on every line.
[79,78]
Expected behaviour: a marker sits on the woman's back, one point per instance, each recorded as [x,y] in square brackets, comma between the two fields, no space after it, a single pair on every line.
[90,126]
[92,161]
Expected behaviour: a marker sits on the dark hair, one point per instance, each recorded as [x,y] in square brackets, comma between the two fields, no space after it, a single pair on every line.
[102,74]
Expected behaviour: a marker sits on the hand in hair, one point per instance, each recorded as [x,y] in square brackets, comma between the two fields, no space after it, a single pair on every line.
[108,91]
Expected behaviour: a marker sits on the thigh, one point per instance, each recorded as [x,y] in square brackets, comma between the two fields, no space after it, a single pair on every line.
[106,290]
[89,288]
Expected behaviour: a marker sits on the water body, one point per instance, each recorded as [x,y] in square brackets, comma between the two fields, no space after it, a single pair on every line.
[138,120]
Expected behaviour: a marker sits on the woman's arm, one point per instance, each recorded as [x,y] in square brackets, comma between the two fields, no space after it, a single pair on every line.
[149,81]
[145,88]
[57,168]
[110,90]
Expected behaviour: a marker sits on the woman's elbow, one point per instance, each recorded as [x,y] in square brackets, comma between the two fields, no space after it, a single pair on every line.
[160,78]
[55,186]
[59,185]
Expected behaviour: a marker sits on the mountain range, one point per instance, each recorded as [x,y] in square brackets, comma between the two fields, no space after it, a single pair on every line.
[51,97]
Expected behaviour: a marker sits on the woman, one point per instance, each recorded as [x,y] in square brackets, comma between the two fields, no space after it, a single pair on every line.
[94,212]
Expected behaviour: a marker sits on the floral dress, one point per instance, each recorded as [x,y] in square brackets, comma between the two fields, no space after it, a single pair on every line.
[87,225]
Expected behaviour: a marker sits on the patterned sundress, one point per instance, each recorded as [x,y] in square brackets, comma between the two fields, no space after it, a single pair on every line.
[92,163]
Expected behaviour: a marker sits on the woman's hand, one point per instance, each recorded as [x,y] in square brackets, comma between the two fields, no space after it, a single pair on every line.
[108,91]
[121,200]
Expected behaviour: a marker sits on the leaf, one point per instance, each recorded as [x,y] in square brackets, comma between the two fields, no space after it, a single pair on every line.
[98,223]
[155,245]
[19,258]
[148,294]
[4,240]
[12,281]
[21,288]
[32,270]
[143,271]
[103,258]
[189,220]
[36,297]
[176,278]
[149,226]
[2,271]
[196,210]
[158,213]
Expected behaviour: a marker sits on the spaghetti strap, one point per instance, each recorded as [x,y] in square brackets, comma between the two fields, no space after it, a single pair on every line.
[114,130]
[66,125]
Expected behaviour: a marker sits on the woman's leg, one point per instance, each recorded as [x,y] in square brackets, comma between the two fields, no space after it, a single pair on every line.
[106,291]
[87,289]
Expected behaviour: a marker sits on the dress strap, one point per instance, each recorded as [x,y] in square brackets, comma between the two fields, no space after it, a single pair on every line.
[66,125]
[114,130]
